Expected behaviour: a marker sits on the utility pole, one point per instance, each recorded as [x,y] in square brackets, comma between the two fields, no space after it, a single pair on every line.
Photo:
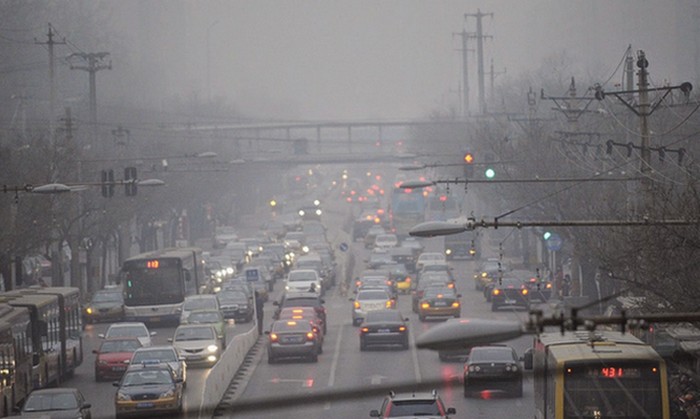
[480,54]
[465,73]
[492,75]
[52,80]
[93,63]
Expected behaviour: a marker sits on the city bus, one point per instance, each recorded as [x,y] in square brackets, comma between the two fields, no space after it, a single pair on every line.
[406,209]
[156,283]
[16,357]
[441,207]
[597,374]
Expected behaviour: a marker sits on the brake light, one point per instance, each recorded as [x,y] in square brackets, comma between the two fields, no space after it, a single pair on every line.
[402,328]
[451,285]
[315,329]
[389,303]
[525,291]
[455,304]
[358,283]
[388,282]
[297,317]
[297,310]
[274,337]
[364,330]
[310,336]
[425,305]
[549,285]
[357,305]
[408,279]
[496,292]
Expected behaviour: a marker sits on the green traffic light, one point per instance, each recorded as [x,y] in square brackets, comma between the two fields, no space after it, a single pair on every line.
[547,235]
[490,173]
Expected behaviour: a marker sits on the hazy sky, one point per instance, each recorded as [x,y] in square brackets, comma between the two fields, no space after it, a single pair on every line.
[350,59]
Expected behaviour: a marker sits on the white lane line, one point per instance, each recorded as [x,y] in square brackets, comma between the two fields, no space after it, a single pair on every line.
[334,364]
[414,355]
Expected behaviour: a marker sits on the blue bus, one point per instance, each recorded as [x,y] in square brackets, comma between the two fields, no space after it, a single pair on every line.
[407,208]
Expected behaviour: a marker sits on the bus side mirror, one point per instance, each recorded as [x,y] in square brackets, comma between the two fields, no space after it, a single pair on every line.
[187,275]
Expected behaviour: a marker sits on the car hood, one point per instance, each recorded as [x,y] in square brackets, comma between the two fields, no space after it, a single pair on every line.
[105,305]
[194,344]
[54,414]
[113,357]
[153,388]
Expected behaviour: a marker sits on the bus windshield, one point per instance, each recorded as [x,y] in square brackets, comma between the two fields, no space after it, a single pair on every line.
[612,391]
[153,286]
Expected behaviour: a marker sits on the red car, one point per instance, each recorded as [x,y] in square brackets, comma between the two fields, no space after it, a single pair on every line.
[113,357]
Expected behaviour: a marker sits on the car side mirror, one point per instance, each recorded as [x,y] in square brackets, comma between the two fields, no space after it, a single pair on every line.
[351,299]
[170,340]
[267,332]
[101,335]
[406,319]
[459,295]
[374,413]
[451,411]
[95,351]
[153,333]
[276,303]
[115,383]
[86,406]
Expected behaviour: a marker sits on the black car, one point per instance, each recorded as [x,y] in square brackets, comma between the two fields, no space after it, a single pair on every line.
[384,327]
[105,305]
[236,305]
[413,404]
[540,289]
[510,292]
[493,368]
[56,403]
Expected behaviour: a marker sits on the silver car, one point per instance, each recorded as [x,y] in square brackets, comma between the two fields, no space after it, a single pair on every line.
[368,300]
[198,344]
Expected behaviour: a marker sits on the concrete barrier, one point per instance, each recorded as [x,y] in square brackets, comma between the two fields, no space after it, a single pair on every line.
[222,373]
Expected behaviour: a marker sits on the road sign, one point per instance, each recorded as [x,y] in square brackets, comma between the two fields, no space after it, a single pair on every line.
[343,247]
[251,275]
[554,242]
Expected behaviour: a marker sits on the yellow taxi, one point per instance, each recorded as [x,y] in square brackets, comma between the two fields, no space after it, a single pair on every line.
[439,302]
[148,389]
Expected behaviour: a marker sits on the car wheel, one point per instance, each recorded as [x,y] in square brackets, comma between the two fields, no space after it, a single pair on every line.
[363,345]
[355,322]
[442,357]
[405,344]
[519,390]
[270,360]
[314,358]
[466,392]
[421,317]
[320,349]
[494,307]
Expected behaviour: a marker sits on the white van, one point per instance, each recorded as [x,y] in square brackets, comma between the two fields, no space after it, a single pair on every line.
[198,302]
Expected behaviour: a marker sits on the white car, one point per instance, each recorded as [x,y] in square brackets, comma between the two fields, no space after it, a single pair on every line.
[197,344]
[429,257]
[127,330]
[198,302]
[304,280]
[368,300]
[386,241]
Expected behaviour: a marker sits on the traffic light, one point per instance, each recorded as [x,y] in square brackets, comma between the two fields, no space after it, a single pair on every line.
[468,165]
[546,235]
[489,173]
[130,186]
[108,183]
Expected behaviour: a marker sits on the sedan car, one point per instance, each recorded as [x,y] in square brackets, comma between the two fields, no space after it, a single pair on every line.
[411,405]
[136,330]
[198,344]
[56,403]
[487,271]
[309,314]
[148,390]
[439,302]
[113,357]
[236,305]
[384,327]
[493,368]
[304,299]
[369,300]
[292,339]
[105,305]
[212,318]
[164,354]
[510,292]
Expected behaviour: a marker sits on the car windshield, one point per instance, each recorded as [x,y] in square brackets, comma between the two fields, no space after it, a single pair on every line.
[160,355]
[299,326]
[194,333]
[232,296]
[142,378]
[127,331]
[198,303]
[383,316]
[438,293]
[491,355]
[301,302]
[50,401]
[372,295]
[301,276]
[111,346]
[108,297]
[510,282]
[414,408]
[205,317]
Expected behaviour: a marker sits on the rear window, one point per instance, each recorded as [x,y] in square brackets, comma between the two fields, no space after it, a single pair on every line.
[491,355]
[372,295]
[301,302]
[414,408]
[301,326]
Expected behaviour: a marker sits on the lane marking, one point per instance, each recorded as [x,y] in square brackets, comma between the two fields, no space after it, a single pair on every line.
[414,355]
[334,364]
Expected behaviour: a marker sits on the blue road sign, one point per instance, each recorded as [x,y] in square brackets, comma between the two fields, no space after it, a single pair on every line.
[554,242]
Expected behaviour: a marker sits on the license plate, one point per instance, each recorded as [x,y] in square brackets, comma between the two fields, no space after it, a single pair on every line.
[118,368]
[510,301]
[144,405]
[155,319]
[440,304]
[384,331]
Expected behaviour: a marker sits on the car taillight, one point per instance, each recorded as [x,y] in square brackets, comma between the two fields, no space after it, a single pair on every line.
[408,279]
[357,305]
[524,291]
[389,303]
[455,304]
[310,336]
[549,285]
[425,305]
[496,292]
[273,337]
[316,330]
[364,330]
[388,282]
[450,285]
[402,328]
[358,283]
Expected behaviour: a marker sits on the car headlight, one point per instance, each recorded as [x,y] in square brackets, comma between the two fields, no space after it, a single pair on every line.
[229,270]
[167,394]
[212,348]
[123,397]
[102,362]
[88,310]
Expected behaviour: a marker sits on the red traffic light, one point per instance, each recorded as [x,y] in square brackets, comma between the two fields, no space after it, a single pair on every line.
[468,158]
